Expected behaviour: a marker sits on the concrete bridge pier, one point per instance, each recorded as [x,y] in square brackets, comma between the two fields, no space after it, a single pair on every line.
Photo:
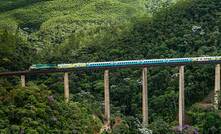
[144,97]
[106,100]
[23,80]
[217,87]
[66,87]
[181,97]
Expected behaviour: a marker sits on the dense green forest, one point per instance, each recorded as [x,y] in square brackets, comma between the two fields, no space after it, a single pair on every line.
[71,31]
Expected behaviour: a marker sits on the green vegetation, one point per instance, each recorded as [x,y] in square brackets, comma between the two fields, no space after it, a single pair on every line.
[36,110]
[69,31]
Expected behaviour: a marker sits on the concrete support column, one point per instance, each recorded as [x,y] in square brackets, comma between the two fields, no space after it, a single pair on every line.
[181,97]
[23,80]
[106,99]
[217,87]
[145,97]
[66,87]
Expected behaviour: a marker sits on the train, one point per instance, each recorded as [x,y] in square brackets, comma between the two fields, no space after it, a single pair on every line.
[127,63]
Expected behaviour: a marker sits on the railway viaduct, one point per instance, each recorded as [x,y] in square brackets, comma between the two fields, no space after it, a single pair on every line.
[144,66]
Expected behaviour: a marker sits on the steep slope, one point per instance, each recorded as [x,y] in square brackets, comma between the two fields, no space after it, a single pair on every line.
[50,22]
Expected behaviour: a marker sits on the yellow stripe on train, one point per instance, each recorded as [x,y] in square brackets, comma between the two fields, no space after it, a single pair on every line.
[72,65]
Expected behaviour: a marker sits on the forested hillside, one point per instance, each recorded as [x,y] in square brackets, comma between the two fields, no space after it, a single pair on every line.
[70,31]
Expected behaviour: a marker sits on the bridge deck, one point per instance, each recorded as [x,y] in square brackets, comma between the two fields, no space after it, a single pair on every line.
[47,71]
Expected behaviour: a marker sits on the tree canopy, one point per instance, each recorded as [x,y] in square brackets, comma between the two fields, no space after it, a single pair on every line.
[71,31]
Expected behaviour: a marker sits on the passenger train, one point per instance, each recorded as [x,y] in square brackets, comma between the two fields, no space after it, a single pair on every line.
[128,63]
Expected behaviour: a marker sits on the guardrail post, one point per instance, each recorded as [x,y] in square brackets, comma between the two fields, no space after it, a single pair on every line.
[66,87]
[181,97]
[145,97]
[23,80]
[106,99]
[217,87]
